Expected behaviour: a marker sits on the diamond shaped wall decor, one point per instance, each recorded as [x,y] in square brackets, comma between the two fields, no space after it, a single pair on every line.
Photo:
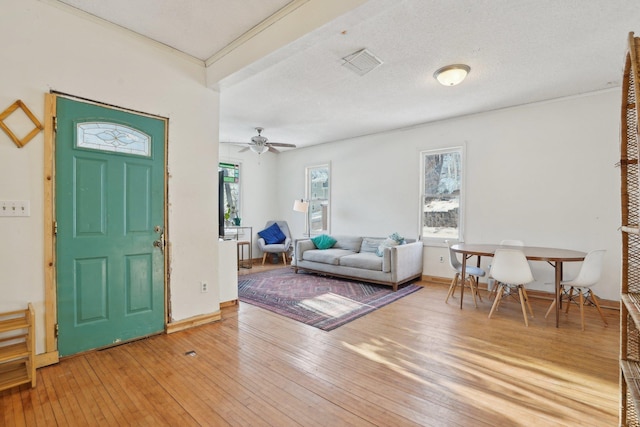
[6,113]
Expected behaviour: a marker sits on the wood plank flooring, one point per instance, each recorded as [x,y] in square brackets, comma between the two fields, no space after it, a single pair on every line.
[415,362]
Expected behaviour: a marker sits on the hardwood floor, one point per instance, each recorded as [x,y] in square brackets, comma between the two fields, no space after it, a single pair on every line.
[417,361]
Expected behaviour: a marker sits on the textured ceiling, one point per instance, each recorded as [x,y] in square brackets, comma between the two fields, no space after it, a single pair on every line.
[519,51]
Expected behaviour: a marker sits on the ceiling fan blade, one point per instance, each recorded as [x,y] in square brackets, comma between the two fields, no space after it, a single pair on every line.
[273,150]
[245,145]
[281,144]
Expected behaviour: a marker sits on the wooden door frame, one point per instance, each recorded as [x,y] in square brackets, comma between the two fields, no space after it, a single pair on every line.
[51,355]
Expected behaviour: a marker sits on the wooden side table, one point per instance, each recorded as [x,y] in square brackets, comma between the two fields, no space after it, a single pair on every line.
[242,261]
[234,233]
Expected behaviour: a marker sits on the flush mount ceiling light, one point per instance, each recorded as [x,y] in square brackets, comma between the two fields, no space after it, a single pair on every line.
[452,75]
[361,62]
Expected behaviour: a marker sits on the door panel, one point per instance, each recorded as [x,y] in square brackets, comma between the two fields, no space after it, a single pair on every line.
[89,193]
[109,211]
[139,284]
[91,290]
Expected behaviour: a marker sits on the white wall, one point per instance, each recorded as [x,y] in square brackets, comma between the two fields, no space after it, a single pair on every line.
[47,48]
[542,173]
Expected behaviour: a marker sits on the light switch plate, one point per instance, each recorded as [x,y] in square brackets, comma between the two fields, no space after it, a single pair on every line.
[15,208]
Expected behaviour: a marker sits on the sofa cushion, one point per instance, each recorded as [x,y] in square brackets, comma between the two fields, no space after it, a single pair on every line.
[326,256]
[393,240]
[323,241]
[351,243]
[272,234]
[370,244]
[364,260]
[388,243]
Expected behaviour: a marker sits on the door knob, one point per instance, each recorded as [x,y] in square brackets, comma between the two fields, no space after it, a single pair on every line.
[160,243]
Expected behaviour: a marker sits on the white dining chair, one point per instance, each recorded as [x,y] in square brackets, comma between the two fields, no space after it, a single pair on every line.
[511,270]
[588,276]
[504,242]
[471,273]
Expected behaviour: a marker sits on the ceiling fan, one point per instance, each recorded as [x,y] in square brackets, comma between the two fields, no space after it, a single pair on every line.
[259,144]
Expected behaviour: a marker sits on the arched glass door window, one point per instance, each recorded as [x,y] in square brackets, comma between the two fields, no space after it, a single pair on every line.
[112,137]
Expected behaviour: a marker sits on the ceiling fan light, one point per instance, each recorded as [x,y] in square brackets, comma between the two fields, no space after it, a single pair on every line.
[452,75]
[258,149]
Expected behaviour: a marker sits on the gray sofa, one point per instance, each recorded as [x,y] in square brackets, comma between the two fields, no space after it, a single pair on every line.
[355,257]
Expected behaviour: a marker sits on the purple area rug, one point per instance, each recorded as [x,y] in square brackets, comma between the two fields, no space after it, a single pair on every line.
[320,301]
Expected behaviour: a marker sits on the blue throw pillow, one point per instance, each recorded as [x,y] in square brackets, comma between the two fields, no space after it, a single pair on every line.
[272,235]
[323,241]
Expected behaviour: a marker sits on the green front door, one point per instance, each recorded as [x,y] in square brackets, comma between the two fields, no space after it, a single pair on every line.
[110,200]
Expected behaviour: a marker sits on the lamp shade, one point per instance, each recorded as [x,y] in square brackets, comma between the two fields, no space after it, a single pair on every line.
[452,75]
[300,206]
[258,148]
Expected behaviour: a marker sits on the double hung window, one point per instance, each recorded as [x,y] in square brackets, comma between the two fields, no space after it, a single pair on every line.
[441,207]
[231,192]
[318,195]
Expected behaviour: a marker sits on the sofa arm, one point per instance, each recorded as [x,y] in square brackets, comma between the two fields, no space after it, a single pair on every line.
[406,261]
[301,246]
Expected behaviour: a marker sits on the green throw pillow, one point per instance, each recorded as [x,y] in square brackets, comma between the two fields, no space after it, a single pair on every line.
[323,241]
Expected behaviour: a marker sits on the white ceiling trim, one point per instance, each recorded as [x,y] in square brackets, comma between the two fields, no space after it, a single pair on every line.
[255,31]
[115,27]
[304,17]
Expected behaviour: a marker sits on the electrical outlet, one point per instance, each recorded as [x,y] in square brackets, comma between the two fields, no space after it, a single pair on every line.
[204,287]
[441,259]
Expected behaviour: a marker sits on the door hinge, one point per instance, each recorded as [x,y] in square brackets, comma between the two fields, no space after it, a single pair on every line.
[55,124]
[55,330]
[55,228]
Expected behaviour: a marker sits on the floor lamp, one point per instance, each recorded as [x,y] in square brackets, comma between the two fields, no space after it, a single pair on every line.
[302,206]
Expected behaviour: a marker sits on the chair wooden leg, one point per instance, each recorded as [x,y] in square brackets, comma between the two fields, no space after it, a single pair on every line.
[452,287]
[526,300]
[474,290]
[476,282]
[494,290]
[569,299]
[524,310]
[264,257]
[595,302]
[284,258]
[505,291]
[581,299]
[553,304]
[496,301]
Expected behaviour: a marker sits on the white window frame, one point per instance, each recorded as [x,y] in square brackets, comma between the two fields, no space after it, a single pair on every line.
[314,199]
[431,239]
[237,199]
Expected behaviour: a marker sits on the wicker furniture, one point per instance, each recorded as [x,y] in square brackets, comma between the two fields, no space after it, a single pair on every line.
[630,202]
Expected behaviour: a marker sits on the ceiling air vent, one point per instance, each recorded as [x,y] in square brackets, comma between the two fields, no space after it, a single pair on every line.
[361,62]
